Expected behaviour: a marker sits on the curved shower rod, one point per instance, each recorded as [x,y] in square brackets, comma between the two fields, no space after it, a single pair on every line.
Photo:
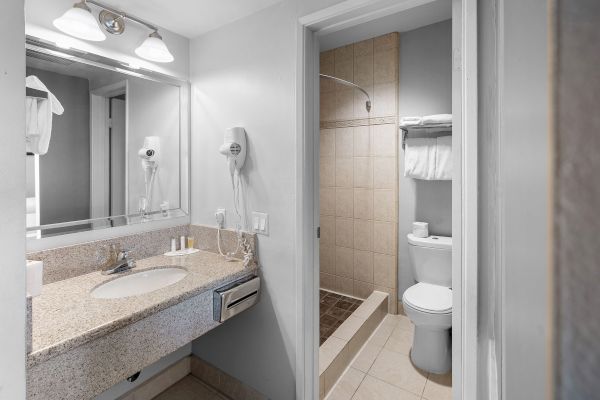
[354,85]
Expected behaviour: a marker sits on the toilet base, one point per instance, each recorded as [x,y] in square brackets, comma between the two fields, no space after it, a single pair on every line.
[432,349]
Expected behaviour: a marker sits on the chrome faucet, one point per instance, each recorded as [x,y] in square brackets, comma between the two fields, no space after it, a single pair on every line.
[122,264]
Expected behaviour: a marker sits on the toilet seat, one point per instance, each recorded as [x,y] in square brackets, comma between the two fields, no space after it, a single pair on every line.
[428,298]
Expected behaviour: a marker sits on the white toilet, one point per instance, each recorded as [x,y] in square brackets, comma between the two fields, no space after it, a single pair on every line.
[428,304]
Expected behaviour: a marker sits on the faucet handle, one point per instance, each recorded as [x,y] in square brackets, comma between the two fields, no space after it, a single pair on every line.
[123,254]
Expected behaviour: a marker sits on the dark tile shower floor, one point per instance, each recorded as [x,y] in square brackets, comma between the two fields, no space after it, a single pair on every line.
[333,310]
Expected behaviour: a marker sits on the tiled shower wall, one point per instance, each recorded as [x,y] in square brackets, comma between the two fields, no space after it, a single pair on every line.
[358,169]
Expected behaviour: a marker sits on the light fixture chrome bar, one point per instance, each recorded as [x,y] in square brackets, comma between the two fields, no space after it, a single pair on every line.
[354,85]
[122,14]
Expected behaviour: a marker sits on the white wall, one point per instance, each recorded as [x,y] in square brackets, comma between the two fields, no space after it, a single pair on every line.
[12,194]
[245,74]
[425,88]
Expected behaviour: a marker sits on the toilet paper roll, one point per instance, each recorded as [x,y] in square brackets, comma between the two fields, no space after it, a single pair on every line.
[421,229]
[35,273]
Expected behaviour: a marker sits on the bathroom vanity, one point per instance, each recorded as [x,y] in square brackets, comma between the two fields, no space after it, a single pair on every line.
[82,345]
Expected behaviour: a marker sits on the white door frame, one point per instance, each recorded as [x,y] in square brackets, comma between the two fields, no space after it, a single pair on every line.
[464,187]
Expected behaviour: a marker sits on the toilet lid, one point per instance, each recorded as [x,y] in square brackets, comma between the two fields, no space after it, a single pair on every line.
[429,298]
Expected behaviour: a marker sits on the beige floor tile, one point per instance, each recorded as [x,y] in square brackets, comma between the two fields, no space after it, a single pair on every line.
[438,387]
[189,388]
[347,384]
[396,369]
[366,356]
[375,389]
[383,331]
[400,340]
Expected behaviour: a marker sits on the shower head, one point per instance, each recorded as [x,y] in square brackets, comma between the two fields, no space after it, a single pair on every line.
[352,85]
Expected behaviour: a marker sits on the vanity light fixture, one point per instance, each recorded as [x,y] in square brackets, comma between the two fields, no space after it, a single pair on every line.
[154,49]
[79,22]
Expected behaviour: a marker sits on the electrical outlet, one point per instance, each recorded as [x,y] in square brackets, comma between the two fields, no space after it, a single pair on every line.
[260,223]
[220,217]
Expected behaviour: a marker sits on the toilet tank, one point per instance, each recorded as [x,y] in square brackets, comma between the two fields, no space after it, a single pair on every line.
[431,259]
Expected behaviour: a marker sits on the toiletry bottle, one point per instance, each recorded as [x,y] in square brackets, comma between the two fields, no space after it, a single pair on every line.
[182,243]
[173,244]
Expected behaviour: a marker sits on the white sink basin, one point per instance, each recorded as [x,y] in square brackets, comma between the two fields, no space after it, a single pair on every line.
[139,283]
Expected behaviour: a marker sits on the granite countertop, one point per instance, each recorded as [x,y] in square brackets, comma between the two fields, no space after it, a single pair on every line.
[65,315]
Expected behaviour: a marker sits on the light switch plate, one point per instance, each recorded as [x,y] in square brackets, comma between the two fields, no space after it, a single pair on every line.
[260,223]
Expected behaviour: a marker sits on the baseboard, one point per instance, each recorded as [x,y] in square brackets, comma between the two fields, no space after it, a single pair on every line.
[160,382]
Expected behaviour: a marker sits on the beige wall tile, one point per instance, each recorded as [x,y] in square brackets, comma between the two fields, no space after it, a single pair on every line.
[386,66]
[363,234]
[363,48]
[344,260]
[326,62]
[384,205]
[362,290]
[336,368]
[327,143]
[327,105]
[327,200]
[344,285]
[344,104]
[328,351]
[360,99]
[363,203]
[384,140]
[363,172]
[385,99]
[363,266]
[347,384]
[327,281]
[372,388]
[344,172]
[327,224]
[396,369]
[362,141]
[327,85]
[386,42]
[349,327]
[384,267]
[327,171]
[384,238]
[392,299]
[344,142]
[344,53]
[344,70]
[344,202]
[327,259]
[363,70]
[344,232]
[384,172]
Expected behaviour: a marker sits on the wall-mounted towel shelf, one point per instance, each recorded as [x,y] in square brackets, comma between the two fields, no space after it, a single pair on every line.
[431,128]
[38,94]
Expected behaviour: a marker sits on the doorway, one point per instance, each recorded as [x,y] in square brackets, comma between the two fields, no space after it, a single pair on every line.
[464,201]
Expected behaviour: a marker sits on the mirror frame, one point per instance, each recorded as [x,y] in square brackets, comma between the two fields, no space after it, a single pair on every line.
[52,230]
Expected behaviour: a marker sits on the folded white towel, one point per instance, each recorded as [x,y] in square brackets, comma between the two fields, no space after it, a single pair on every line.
[39,117]
[437,119]
[410,121]
[419,158]
[443,158]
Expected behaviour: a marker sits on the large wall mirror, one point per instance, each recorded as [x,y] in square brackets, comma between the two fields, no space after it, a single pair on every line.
[107,145]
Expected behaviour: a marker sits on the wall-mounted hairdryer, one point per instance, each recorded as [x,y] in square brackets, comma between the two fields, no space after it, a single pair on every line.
[150,152]
[234,148]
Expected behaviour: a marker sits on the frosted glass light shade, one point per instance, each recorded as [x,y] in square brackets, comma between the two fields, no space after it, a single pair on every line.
[80,22]
[154,49]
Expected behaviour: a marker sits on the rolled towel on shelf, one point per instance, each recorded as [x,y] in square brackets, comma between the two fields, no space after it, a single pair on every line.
[410,121]
[421,229]
[437,119]
[419,158]
[443,158]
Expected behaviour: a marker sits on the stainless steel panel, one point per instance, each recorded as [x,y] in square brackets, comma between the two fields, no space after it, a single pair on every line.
[233,298]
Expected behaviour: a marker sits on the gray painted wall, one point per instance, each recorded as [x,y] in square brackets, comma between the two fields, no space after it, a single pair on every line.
[12,201]
[576,200]
[65,169]
[425,88]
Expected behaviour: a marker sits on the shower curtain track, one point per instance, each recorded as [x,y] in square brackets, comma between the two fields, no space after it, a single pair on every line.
[353,85]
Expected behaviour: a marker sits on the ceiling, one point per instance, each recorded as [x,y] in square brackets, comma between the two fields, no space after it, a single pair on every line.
[412,18]
[190,18]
